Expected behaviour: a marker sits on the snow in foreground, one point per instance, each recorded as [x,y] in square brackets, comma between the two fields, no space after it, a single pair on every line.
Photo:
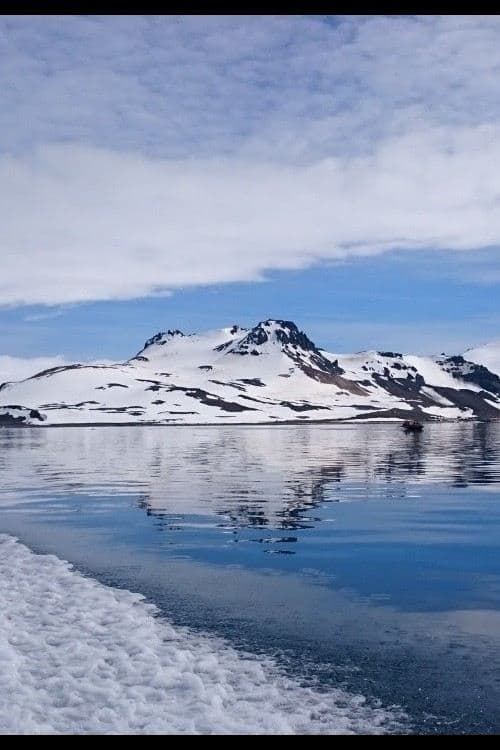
[77,657]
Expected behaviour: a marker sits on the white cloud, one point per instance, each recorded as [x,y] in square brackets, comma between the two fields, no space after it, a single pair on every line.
[81,223]
[142,154]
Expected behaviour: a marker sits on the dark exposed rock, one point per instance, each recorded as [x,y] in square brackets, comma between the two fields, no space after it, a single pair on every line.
[466,399]
[110,385]
[210,399]
[302,407]
[53,371]
[252,381]
[159,338]
[257,400]
[223,346]
[470,372]
[331,377]
[286,332]
[10,419]
[14,414]
[64,368]
[135,410]
[405,388]
[35,414]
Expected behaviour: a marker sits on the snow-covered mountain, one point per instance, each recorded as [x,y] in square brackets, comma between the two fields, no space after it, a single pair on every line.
[270,373]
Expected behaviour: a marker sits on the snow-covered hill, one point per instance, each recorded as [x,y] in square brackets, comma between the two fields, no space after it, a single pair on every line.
[487,355]
[270,373]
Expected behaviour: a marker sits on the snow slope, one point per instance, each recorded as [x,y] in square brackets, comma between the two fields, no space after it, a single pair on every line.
[79,657]
[270,373]
[487,355]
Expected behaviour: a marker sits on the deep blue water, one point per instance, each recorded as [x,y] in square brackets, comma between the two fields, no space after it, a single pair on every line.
[356,554]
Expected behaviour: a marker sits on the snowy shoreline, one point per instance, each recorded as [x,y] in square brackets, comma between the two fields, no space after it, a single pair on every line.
[288,422]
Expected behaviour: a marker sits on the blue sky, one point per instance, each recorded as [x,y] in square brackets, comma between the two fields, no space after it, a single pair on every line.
[192,172]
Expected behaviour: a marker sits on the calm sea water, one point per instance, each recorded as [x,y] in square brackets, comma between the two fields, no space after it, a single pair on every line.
[357,555]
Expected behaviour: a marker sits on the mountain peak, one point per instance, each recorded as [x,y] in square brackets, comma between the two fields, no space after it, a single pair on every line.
[273,331]
[162,337]
[274,337]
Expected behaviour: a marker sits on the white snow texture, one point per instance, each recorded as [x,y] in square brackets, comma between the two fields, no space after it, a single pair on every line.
[77,657]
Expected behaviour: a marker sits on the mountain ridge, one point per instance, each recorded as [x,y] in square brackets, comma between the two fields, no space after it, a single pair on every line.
[271,373]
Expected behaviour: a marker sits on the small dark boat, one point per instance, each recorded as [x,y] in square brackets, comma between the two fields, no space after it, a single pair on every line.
[412,425]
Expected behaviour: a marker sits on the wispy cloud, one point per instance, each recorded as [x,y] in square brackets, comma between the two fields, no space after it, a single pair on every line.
[147,154]
[47,314]
[295,86]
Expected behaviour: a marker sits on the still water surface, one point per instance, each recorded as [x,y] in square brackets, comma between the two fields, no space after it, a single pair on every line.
[357,555]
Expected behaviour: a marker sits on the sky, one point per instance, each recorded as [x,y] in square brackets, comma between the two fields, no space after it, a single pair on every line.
[192,172]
